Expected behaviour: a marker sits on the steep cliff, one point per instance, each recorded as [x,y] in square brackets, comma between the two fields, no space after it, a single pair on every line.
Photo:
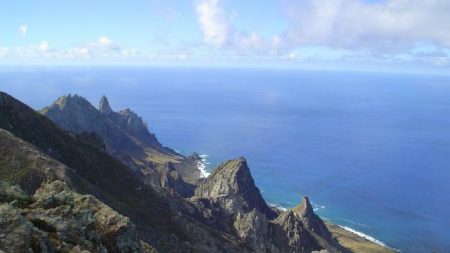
[236,205]
[165,221]
[56,219]
[127,138]
[43,213]
[69,194]
[232,185]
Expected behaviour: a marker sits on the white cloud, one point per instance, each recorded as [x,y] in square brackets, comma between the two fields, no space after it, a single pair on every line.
[104,41]
[219,32]
[3,51]
[214,23]
[435,57]
[23,29]
[101,50]
[354,31]
[386,25]
[43,46]
[35,51]
[103,47]
[182,56]
[78,52]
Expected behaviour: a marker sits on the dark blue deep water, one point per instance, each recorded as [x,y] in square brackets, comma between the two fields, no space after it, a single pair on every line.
[371,150]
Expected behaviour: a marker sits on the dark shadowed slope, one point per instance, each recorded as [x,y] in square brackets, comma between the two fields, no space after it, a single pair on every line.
[166,221]
[42,212]
[226,214]
[125,134]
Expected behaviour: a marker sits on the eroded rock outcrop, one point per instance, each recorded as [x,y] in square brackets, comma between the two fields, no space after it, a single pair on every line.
[69,194]
[103,106]
[229,199]
[125,136]
[39,152]
[233,186]
[56,219]
[289,235]
[311,221]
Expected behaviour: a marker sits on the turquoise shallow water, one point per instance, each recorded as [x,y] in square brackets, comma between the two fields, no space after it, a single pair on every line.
[372,151]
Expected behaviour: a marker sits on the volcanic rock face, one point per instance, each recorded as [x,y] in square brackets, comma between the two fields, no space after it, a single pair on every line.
[229,200]
[62,192]
[312,222]
[103,106]
[131,123]
[57,219]
[236,205]
[232,184]
[42,213]
[77,115]
[289,235]
[125,136]
[163,220]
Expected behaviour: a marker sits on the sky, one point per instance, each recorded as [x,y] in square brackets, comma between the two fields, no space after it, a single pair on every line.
[404,35]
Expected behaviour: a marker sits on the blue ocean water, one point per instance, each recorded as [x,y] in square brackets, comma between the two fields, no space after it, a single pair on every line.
[371,150]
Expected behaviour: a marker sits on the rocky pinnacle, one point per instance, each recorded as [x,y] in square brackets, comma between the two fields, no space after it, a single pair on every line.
[103,105]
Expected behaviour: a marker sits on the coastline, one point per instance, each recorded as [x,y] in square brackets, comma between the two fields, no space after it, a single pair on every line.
[356,241]
[202,165]
[367,237]
[352,239]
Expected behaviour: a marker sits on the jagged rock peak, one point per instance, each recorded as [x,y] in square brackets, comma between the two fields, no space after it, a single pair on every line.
[70,99]
[311,221]
[103,105]
[233,180]
[132,118]
[230,176]
[305,208]
[233,167]
[134,123]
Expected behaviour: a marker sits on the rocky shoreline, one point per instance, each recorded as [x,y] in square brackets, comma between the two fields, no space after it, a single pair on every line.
[351,239]
[75,178]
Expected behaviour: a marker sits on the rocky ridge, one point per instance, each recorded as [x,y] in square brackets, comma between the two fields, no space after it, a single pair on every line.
[239,208]
[166,221]
[126,136]
[232,185]
[56,219]
[43,213]
[49,173]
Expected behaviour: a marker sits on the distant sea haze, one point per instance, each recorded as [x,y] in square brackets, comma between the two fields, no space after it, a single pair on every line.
[371,150]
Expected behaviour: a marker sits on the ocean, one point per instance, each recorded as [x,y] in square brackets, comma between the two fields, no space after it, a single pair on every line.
[371,150]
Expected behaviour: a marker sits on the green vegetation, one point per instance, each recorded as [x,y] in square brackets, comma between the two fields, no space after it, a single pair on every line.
[14,195]
[12,171]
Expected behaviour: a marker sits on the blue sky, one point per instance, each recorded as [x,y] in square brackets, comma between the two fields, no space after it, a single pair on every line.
[404,35]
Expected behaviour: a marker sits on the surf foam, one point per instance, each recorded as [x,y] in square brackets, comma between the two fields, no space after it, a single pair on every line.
[367,237]
[279,207]
[202,166]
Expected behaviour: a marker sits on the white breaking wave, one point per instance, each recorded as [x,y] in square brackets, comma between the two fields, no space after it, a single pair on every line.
[279,207]
[202,166]
[282,208]
[367,237]
[317,207]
